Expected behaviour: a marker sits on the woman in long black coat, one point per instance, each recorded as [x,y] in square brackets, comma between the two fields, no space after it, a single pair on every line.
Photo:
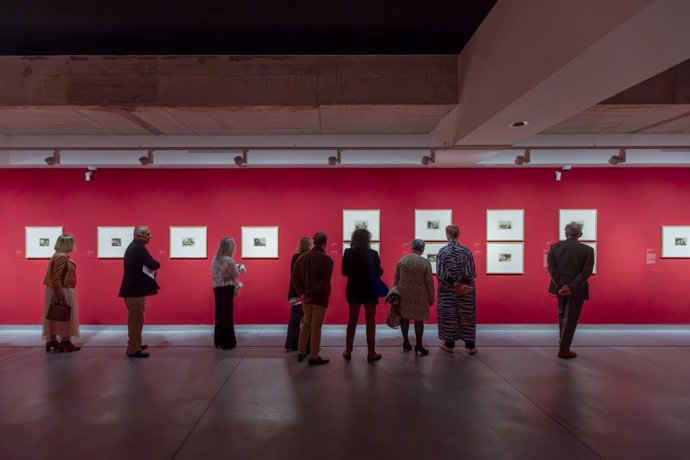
[361,264]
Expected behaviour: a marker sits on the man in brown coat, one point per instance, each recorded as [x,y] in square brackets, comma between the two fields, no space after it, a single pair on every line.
[311,277]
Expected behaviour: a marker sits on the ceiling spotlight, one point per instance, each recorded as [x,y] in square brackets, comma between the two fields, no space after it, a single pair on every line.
[429,159]
[148,159]
[519,124]
[241,160]
[618,159]
[335,159]
[54,159]
[523,159]
[88,175]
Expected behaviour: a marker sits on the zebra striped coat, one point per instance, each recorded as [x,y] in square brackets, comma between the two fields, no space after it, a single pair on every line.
[457,315]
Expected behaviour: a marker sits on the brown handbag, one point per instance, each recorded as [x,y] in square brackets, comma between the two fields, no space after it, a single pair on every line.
[59,310]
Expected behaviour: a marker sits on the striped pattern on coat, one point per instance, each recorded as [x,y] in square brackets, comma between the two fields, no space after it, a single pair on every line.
[457,314]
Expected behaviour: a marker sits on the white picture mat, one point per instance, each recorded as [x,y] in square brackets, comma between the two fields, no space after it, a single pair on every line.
[444,217]
[33,235]
[669,233]
[179,251]
[376,246]
[371,216]
[593,246]
[513,266]
[496,217]
[105,236]
[587,216]
[270,251]
[432,248]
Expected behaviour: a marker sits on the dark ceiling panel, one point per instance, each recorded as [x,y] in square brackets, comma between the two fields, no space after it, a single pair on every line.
[250,27]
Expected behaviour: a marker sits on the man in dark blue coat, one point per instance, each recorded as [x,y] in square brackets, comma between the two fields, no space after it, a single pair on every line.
[138,282]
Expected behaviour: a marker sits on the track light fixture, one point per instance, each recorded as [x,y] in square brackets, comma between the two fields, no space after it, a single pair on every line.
[524,158]
[241,160]
[335,159]
[148,159]
[54,159]
[618,159]
[430,158]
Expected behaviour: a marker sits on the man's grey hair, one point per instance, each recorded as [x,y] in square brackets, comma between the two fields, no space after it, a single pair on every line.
[573,230]
[417,245]
[140,230]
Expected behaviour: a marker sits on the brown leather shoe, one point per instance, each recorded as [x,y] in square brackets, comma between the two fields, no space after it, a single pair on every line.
[67,346]
[566,354]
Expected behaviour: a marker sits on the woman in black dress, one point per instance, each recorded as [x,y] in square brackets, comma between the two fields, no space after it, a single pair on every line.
[361,264]
[296,314]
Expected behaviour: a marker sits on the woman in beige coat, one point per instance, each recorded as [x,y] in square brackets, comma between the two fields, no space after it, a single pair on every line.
[60,282]
[415,284]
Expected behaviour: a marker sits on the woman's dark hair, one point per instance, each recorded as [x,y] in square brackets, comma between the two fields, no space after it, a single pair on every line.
[361,238]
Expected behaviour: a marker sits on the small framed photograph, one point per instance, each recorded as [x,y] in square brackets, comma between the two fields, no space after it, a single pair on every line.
[431,251]
[361,218]
[430,224]
[675,242]
[40,241]
[113,241]
[593,246]
[188,243]
[586,217]
[376,246]
[259,242]
[505,258]
[505,224]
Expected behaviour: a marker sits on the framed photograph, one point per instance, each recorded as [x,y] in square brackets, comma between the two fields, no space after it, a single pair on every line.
[505,224]
[505,258]
[376,246]
[188,243]
[586,217]
[259,242]
[40,241]
[675,242]
[112,241]
[593,246]
[361,218]
[430,224]
[430,252]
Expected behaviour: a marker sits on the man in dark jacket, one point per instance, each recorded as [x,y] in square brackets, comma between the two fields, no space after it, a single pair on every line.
[138,282]
[311,278]
[570,266]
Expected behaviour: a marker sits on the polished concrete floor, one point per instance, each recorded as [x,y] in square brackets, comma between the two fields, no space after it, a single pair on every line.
[626,396]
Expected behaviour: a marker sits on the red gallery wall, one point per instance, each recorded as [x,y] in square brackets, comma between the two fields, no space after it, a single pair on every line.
[632,206]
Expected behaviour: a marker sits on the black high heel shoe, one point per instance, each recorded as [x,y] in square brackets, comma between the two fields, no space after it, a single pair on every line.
[420,349]
[407,346]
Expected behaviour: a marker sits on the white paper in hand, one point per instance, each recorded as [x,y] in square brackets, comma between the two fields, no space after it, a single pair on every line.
[148,272]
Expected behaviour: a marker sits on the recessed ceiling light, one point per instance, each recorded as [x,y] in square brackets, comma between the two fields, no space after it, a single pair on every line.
[518,124]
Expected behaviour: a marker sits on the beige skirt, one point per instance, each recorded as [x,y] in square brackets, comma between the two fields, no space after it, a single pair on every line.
[64,329]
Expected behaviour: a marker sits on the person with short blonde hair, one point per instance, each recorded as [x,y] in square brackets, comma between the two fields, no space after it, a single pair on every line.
[61,283]
[456,302]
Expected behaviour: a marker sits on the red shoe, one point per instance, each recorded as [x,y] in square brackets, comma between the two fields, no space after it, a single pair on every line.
[566,354]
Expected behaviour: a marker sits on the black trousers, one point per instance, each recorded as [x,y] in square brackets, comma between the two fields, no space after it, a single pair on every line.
[224,332]
[569,309]
[292,339]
